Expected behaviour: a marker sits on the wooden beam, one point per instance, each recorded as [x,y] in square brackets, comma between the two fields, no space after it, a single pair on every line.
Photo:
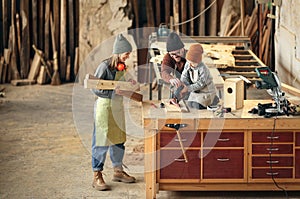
[157,13]
[149,10]
[34,21]
[47,30]
[290,89]
[167,11]
[191,15]
[40,44]
[92,82]
[183,17]
[242,6]
[71,37]
[126,88]
[176,14]
[63,39]
[202,19]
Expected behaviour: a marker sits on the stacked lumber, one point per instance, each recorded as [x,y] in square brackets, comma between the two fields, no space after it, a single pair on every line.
[43,24]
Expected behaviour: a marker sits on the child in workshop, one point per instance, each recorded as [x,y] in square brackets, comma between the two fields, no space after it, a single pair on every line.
[197,80]
[109,126]
[173,62]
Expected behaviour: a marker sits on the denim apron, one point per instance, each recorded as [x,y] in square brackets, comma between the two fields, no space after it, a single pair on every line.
[110,118]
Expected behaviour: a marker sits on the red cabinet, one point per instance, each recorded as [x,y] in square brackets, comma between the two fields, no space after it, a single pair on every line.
[173,165]
[223,164]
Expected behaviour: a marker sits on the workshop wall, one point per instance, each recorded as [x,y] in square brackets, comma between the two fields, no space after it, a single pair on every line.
[287,42]
[99,21]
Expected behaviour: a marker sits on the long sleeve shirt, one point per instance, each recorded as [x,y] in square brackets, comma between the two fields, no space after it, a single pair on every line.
[169,66]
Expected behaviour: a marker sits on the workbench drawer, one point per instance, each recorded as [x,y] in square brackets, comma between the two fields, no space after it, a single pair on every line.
[223,164]
[260,137]
[213,139]
[268,173]
[274,149]
[297,163]
[173,165]
[275,161]
[188,138]
[298,139]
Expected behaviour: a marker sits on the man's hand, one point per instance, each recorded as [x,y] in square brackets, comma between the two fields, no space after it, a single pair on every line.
[175,82]
[183,91]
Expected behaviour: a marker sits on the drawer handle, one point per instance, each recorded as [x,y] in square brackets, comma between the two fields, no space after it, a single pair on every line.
[179,159]
[223,159]
[272,162]
[272,149]
[223,139]
[272,174]
[273,137]
[182,140]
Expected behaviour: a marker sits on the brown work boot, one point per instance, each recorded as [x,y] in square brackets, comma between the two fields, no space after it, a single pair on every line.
[99,183]
[122,176]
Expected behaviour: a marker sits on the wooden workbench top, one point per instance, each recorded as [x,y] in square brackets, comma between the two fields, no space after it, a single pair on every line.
[151,109]
[155,118]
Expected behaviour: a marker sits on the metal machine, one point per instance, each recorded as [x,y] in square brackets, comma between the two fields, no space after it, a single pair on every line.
[271,82]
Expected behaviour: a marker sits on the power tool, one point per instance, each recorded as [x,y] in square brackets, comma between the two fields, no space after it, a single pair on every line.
[271,82]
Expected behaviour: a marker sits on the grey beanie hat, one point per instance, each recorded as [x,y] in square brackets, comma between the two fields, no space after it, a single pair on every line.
[174,42]
[121,45]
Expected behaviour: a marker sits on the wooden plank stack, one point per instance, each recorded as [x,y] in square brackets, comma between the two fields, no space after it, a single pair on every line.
[44,24]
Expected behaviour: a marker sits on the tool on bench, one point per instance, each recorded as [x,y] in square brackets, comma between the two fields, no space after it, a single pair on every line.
[177,127]
[271,82]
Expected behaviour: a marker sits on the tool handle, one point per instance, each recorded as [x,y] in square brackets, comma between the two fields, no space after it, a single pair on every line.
[181,146]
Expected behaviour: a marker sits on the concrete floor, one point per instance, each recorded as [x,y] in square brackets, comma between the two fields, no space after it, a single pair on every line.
[45,134]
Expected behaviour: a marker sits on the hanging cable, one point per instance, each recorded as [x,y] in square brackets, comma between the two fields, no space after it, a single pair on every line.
[187,21]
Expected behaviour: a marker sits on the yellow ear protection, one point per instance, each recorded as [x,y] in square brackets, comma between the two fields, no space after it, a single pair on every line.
[121,66]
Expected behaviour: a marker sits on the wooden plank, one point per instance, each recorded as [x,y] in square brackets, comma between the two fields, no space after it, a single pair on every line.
[176,14]
[21,82]
[13,60]
[202,19]
[149,12]
[242,7]
[42,77]
[5,26]
[126,88]
[34,21]
[56,20]
[40,25]
[71,37]
[47,31]
[25,50]
[183,17]
[290,89]
[68,69]
[191,15]
[1,68]
[92,82]
[76,61]
[18,29]
[35,67]
[63,39]
[157,12]
[167,11]
[213,19]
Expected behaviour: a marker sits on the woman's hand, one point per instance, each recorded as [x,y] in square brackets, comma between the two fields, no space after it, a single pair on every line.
[132,81]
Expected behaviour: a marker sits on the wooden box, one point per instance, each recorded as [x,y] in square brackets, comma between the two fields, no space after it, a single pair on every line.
[234,93]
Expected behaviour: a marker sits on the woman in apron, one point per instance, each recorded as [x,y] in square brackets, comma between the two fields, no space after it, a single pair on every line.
[109,126]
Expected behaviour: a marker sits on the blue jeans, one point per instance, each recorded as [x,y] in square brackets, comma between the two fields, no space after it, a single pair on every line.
[116,153]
